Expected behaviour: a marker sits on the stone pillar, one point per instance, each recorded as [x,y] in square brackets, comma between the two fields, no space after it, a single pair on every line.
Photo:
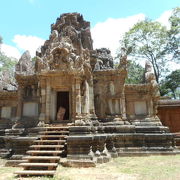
[123,106]
[53,110]
[150,108]
[73,101]
[48,102]
[91,98]
[43,105]
[117,108]
[78,98]
[85,100]
[110,105]
[20,103]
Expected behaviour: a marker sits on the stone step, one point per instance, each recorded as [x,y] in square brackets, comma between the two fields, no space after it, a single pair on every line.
[50,141]
[146,153]
[41,158]
[4,150]
[131,149]
[53,136]
[16,157]
[43,152]
[2,131]
[33,172]
[47,146]
[142,149]
[38,164]
[3,155]
[145,124]
[54,132]
[56,127]
[15,162]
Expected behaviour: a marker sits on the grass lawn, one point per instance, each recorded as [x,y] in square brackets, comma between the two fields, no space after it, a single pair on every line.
[122,168]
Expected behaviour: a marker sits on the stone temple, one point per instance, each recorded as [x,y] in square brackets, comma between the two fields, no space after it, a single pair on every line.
[75,92]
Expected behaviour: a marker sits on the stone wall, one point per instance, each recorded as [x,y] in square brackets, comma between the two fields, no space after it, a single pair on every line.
[28,102]
[169,114]
[109,94]
[138,101]
[8,108]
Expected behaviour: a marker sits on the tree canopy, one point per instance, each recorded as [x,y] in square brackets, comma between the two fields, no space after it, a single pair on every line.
[135,73]
[171,85]
[7,65]
[174,35]
[149,40]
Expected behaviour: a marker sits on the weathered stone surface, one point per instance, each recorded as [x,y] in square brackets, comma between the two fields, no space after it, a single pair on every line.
[25,65]
[102,59]
[108,117]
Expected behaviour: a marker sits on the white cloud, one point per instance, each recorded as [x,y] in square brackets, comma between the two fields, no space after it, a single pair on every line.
[107,34]
[173,66]
[30,43]
[164,18]
[10,51]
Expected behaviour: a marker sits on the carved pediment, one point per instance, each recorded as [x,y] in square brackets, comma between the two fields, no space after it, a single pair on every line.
[66,48]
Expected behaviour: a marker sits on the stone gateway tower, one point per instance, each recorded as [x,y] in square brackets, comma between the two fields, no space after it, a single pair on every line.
[64,71]
[73,85]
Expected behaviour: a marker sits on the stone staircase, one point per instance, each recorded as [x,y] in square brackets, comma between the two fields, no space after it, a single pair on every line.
[44,155]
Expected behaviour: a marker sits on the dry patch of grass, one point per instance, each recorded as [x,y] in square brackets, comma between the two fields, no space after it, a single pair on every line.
[151,168]
[101,172]
[122,168]
[6,173]
[127,168]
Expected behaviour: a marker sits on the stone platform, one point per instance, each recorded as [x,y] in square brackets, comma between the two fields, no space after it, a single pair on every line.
[98,144]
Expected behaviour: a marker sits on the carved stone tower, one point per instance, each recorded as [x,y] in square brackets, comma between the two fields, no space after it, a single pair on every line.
[64,70]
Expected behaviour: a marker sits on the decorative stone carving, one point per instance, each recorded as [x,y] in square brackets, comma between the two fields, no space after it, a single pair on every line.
[150,78]
[108,117]
[25,65]
[67,49]
[123,59]
[7,81]
[102,59]
[61,113]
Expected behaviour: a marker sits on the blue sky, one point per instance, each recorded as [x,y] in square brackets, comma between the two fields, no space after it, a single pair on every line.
[25,22]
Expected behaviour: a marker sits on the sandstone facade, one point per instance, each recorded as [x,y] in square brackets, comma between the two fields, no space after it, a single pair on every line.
[82,84]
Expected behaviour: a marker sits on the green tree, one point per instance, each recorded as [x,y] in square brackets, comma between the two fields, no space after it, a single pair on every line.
[174,35]
[0,40]
[7,65]
[148,40]
[171,84]
[135,73]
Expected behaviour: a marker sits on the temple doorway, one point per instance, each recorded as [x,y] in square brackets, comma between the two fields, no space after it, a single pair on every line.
[62,105]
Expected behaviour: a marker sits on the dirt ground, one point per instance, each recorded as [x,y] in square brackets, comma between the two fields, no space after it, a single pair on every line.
[122,168]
